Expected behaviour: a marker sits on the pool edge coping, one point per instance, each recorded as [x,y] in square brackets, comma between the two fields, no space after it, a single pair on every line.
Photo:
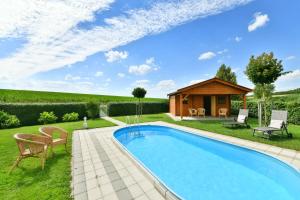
[165,191]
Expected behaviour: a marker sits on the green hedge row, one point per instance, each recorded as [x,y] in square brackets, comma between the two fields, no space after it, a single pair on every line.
[28,113]
[293,109]
[129,108]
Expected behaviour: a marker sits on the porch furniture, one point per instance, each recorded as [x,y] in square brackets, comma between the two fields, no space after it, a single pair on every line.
[31,145]
[201,112]
[192,112]
[241,120]
[278,123]
[49,131]
[223,112]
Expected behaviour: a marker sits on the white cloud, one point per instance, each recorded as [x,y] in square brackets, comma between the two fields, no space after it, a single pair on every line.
[290,58]
[291,76]
[207,55]
[56,86]
[259,21]
[112,56]
[141,83]
[139,69]
[150,61]
[145,68]
[54,40]
[99,73]
[192,82]
[166,85]
[288,81]
[69,77]
[238,39]
[121,75]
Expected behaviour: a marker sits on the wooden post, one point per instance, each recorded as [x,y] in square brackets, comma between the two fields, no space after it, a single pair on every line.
[181,106]
[245,101]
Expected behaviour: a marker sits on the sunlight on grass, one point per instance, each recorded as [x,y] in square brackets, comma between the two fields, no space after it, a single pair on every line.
[29,181]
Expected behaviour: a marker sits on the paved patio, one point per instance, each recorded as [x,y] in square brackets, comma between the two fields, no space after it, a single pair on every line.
[100,170]
[194,118]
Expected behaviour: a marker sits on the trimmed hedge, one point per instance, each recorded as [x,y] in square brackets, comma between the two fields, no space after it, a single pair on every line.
[129,108]
[29,113]
[293,109]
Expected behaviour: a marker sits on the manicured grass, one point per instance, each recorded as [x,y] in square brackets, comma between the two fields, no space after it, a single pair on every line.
[28,181]
[244,133]
[24,96]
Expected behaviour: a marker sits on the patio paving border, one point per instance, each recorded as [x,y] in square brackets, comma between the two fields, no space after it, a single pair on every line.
[103,169]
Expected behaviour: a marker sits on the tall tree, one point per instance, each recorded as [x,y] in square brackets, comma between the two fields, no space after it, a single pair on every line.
[139,93]
[263,71]
[225,73]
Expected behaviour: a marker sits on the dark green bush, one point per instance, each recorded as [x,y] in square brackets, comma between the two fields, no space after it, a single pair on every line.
[92,110]
[70,117]
[47,118]
[29,113]
[129,108]
[293,109]
[8,121]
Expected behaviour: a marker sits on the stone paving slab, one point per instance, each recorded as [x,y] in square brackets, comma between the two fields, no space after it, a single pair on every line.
[101,170]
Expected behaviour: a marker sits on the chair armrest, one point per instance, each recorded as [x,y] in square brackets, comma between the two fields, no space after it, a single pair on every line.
[63,133]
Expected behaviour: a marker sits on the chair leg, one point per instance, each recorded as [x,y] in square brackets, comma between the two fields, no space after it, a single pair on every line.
[15,164]
[66,148]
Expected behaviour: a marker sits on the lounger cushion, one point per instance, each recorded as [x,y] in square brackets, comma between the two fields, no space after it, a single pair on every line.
[241,118]
[276,123]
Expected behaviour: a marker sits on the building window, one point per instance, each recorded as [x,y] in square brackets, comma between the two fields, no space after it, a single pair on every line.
[221,99]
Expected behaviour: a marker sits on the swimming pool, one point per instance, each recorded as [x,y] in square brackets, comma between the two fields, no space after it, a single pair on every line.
[196,167]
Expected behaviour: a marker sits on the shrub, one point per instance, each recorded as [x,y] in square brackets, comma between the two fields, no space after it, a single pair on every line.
[92,110]
[47,118]
[8,121]
[129,108]
[29,113]
[293,109]
[70,117]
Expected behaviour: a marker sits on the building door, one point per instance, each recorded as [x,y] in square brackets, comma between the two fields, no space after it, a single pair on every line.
[207,104]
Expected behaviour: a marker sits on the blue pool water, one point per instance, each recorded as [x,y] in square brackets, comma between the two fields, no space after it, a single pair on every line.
[196,167]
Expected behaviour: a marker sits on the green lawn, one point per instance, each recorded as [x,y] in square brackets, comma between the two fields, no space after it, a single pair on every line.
[28,181]
[244,133]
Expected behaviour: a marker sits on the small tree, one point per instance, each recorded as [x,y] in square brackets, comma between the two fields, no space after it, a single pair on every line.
[264,70]
[225,73]
[139,93]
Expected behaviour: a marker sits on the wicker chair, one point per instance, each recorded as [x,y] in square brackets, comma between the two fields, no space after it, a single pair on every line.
[223,112]
[192,112]
[48,131]
[201,112]
[31,145]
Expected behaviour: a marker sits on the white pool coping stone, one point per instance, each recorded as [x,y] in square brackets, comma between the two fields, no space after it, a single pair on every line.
[135,181]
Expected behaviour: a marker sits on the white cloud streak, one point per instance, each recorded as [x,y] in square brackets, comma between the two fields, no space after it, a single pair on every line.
[54,40]
[259,21]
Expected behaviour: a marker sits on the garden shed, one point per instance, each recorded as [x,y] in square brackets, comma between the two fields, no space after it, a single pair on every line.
[211,95]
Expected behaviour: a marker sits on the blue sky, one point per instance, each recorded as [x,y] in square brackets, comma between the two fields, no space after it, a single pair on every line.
[111,46]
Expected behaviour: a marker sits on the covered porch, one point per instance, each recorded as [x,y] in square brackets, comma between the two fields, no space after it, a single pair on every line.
[213,95]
